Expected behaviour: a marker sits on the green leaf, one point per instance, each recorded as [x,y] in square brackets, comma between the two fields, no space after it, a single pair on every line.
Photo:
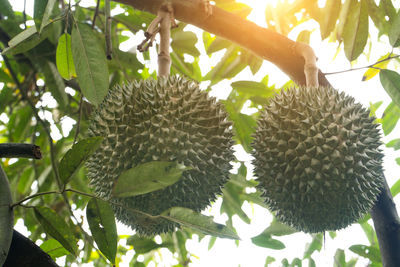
[369,232]
[244,126]
[148,177]
[279,229]
[90,63]
[55,83]
[304,37]
[329,18]
[252,88]
[211,243]
[22,36]
[143,245]
[54,248]
[343,18]
[46,14]
[55,226]
[389,9]
[315,245]
[20,122]
[39,8]
[78,154]
[368,252]
[230,65]
[296,262]
[25,181]
[217,44]
[377,14]
[184,42]
[390,81]
[6,216]
[179,239]
[373,107]
[371,72]
[126,59]
[339,258]
[395,143]
[390,118]
[205,224]
[269,260]
[64,60]
[395,189]
[254,62]
[232,202]
[355,33]
[394,32]
[266,241]
[6,9]
[102,225]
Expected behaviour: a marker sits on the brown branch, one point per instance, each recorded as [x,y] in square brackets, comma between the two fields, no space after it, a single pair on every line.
[387,227]
[265,43]
[96,12]
[13,150]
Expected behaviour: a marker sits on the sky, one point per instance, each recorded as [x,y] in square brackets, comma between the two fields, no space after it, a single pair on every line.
[226,252]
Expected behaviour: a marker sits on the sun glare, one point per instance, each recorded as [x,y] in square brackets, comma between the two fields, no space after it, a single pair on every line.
[258,13]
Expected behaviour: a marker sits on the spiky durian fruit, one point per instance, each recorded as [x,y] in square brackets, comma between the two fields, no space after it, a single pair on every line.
[317,158]
[169,119]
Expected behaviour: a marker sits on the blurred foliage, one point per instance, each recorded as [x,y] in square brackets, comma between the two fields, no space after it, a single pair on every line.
[54,72]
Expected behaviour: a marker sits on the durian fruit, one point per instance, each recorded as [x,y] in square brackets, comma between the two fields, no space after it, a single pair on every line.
[317,159]
[169,119]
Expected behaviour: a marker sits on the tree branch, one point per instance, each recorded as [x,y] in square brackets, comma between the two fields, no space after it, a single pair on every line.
[13,150]
[265,43]
[387,227]
[282,52]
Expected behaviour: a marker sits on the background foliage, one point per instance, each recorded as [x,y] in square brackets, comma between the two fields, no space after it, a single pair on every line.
[54,72]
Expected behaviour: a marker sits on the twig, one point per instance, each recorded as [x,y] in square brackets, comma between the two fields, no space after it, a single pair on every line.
[78,123]
[18,203]
[364,67]
[107,12]
[95,14]
[17,150]
[24,14]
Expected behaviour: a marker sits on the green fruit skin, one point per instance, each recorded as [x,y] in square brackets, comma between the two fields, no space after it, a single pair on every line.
[317,159]
[169,119]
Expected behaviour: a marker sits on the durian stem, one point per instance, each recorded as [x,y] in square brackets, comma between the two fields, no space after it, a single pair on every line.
[387,227]
[164,59]
[310,63]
